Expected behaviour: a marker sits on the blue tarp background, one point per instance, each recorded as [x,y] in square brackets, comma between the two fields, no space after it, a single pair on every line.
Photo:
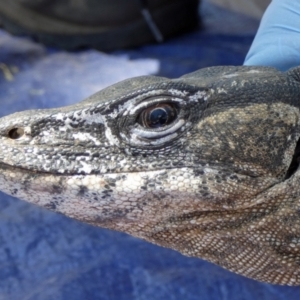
[48,256]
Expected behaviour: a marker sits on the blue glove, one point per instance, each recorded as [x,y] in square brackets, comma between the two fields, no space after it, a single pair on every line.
[277,42]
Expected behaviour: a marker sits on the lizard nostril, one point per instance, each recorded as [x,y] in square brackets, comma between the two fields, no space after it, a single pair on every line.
[16,133]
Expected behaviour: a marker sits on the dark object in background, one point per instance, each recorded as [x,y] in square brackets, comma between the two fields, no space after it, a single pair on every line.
[102,24]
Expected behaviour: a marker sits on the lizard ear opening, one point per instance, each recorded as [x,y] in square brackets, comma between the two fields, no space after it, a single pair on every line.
[295,162]
[294,73]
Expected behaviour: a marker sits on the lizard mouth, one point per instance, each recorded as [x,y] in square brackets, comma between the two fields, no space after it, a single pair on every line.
[295,162]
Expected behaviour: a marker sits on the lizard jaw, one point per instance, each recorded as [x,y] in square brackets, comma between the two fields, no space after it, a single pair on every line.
[120,200]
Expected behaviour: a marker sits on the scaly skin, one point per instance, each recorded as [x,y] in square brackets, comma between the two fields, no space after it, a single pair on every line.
[217,180]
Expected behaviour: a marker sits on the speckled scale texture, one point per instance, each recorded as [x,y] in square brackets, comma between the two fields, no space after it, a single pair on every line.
[220,181]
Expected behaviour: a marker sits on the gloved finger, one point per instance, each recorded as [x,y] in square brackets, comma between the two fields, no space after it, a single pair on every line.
[277,42]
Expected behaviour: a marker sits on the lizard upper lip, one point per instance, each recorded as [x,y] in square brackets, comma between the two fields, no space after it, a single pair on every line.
[216,167]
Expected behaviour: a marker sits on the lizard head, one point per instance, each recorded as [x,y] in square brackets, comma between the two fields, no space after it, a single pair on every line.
[206,164]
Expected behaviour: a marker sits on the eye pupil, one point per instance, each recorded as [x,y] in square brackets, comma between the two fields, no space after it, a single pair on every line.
[158,116]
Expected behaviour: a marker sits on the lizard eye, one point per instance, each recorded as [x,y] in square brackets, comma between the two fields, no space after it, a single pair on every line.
[155,121]
[158,115]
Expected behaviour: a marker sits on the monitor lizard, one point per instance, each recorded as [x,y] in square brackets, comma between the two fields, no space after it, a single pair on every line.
[206,164]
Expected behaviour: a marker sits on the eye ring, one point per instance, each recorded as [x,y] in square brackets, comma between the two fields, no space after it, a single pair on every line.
[158,115]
